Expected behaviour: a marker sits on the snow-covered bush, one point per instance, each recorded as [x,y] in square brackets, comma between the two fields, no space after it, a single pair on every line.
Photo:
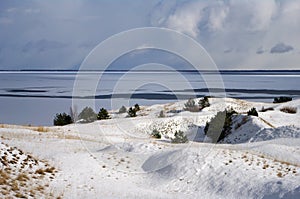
[137,107]
[191,106]
[252,112]
[203,103]
[103,114]
[87,115]
[161,114]
[62,119]
[156,134]
[180,137]
[131,112]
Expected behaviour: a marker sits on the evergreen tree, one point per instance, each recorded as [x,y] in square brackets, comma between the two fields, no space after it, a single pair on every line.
[203,103]
[131,112]
[62,119]
[87,115]
[122,109]
[103,114]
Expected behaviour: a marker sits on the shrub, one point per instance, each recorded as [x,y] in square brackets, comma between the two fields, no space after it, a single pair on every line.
[289,109]
[103,114]
[263,109]
[191,106]
[156,134]
[161,114]
[62,119]
[122,109]
[282,99]
[131,112]
[137,107]
[87,115]
[219,126]
[179,137]
[203,103]
[252,112]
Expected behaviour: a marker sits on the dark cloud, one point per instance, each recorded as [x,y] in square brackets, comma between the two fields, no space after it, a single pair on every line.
[260,50]
[281,48]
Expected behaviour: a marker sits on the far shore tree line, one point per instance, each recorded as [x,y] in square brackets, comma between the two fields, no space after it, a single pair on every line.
[88,115]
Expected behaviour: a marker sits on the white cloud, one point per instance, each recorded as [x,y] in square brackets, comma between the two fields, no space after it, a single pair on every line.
[186,18]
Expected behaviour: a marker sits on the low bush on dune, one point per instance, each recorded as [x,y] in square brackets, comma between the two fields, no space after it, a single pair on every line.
[191,106]
[282,99]
[122,110]
[203,103]
[132,110]
[263,109]
[87,115]
[180,137]
[252,112]
[156,134]
[62,119]
[219,126]
[161,114]
[289,109]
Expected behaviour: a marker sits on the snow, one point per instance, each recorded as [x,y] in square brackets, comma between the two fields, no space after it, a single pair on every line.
[117,158]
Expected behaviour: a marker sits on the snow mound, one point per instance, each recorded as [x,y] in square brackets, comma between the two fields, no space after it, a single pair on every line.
[275,133]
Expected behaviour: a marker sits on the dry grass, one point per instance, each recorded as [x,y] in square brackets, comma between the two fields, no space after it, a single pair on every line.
[41,129]
[40,171]
[289,109]
[50,170]
[22,177]
[4,177]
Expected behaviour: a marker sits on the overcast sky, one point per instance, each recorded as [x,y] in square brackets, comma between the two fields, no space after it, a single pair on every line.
[238,34]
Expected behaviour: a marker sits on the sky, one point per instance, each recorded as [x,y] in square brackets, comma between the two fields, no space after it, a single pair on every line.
[238,34]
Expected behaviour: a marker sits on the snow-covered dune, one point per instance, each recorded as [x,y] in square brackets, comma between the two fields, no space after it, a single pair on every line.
[118,158]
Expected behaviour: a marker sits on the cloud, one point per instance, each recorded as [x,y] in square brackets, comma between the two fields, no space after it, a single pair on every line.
[35,33]
[281,48]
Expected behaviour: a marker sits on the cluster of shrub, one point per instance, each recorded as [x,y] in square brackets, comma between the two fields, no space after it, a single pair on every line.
[88,115]
[179,136]
[220,125]
[191,105]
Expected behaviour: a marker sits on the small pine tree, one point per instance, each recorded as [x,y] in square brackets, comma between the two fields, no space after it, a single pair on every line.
[137,107]
[252,112]
[203,103]
[191,106]
[179,137]
[156,134]
[87,115]
[62,119]
[122,110]
[131,112]
[103,114]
